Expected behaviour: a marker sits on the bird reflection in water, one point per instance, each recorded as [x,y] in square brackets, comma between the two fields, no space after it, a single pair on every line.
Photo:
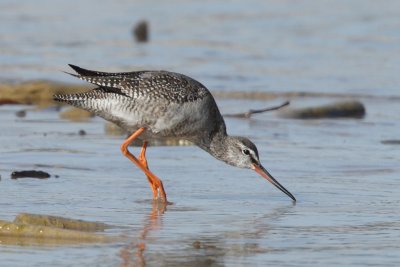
[133,253]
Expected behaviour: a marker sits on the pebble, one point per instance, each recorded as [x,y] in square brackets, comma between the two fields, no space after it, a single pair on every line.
[21,113]
[141,31]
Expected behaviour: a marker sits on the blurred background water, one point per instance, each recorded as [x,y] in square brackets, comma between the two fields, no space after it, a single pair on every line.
[345,179]
[287,45]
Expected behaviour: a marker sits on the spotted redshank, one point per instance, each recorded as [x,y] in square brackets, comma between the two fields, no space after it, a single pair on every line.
[162,104]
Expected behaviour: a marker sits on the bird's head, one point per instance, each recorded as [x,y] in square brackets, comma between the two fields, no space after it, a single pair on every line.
[241,152]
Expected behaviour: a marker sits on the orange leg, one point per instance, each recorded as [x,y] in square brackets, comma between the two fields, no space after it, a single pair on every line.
[143,160]
[155,182]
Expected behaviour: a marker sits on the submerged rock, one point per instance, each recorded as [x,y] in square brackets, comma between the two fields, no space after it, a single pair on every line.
[29,174]
[196,244]
[60,222]
[344,109]
[19,230]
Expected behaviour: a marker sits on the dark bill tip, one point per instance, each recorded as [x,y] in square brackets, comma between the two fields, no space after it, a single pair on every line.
[264,173]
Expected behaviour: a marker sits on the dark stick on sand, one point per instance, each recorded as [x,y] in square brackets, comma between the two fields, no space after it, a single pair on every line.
[254,111]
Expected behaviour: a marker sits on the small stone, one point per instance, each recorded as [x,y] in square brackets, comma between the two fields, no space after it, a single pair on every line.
[141,31]
[196,244]
[20,113]
[82,132]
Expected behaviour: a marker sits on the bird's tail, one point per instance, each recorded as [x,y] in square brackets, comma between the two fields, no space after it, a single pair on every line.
[71,99]
[85,100]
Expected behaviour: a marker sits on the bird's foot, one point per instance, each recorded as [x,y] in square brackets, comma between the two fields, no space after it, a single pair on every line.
[159,195]
[161,201]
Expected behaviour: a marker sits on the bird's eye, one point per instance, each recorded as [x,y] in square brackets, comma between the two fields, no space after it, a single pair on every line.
[246,151]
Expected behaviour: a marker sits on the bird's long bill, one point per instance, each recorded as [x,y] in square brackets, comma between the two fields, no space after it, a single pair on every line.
[264,173]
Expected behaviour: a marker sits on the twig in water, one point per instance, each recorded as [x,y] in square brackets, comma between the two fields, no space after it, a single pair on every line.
[254,111]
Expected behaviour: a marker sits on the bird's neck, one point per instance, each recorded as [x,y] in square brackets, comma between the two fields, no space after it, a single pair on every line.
[215,144]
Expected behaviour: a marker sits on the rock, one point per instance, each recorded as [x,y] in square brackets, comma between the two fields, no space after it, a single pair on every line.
[391,142]
[36,92]
[196,244]
[29,174]
[20,113]
[82,132]
[141,31]
[22,231]
[59,222]
[344,109]
[6,101]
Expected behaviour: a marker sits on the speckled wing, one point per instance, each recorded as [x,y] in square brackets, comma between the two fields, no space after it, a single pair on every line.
[168,86]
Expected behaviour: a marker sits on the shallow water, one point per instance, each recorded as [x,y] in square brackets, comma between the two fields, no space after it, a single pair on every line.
[345,179]
[330,46]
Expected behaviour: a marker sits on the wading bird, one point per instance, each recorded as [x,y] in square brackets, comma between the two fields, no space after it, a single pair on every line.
[162,104]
